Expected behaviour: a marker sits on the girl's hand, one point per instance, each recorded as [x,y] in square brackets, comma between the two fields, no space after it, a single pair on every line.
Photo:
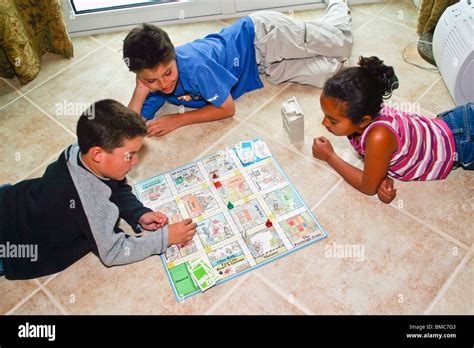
[386,191]
[322,148]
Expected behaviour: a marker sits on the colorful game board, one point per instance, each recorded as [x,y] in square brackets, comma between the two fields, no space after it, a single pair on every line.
[247,214]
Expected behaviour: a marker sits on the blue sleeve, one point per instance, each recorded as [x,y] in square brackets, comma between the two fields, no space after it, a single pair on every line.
[214,83]
[152,104]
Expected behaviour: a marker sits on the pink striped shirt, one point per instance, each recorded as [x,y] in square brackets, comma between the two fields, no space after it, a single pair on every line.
[426,146]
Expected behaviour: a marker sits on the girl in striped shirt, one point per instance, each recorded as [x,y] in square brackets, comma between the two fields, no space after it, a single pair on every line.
[393,143]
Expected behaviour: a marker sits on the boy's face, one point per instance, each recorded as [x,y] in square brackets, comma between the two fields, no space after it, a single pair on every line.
[162,78]
[116,164]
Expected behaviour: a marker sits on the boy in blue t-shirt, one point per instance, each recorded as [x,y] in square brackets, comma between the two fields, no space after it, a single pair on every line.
[209,74]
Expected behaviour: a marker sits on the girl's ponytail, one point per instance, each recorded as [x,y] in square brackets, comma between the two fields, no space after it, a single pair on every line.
[382,74]
[362,88]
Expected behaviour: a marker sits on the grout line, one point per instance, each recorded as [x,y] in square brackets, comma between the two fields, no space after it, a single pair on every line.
[241,122]
[44,112]
[57,73]
[50,279]
[285,295]
[54,300]
[97,40]
[40,165]
[267,102]
[427,90]
[23,301]
[114,34]
[372,16]
[223,298]
[11,101]
[434,229]
[447,284]
[327,194]
[300,154]
[395,22]
[227,24]
[51,117]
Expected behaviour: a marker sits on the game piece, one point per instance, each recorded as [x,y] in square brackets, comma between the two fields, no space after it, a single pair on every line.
[293,120]
[252,217]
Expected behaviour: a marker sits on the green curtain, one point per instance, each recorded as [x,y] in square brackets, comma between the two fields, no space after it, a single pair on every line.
[28,29]
[430,13]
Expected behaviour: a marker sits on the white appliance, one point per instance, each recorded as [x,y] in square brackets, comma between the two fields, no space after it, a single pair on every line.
[453,50]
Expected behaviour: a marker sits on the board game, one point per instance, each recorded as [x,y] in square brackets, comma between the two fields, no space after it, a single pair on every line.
[247,214]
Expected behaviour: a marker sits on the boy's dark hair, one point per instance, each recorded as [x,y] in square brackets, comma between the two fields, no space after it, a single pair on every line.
[107,123]
[363,88]
[147,46]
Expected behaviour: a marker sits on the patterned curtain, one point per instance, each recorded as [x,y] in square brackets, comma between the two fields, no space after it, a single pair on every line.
[430,13]
[28,29]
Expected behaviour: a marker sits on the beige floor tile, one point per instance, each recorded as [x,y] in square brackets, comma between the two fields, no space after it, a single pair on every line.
[293,165]
[373,7]
[88,287]
[52,63]
[28,139]
[254,297]
[13,291]
[39,304]
[401,11]
[106,38]
[250,102]
[7,94]
[459,298]
[103,75]
[437,99]
[269,121]
[388,43]
[444,204]
[399,270]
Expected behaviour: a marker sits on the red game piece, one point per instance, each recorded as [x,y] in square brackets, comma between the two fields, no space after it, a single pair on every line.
[215,176]
[268,223]
[217,184]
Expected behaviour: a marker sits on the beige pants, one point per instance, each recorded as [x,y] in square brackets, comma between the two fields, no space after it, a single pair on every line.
[306,52]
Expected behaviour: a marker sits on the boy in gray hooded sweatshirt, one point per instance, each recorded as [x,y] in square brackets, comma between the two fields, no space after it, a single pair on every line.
[75,207]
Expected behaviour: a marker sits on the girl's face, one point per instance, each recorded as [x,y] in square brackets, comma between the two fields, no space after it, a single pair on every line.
[334,119]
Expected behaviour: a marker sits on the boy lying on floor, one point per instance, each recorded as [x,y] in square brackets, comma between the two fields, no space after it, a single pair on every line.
[76,206]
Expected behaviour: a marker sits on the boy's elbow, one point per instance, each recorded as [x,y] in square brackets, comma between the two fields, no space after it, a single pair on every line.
[229,111]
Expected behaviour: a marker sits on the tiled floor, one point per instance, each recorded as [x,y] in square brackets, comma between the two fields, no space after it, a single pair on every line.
[417,252]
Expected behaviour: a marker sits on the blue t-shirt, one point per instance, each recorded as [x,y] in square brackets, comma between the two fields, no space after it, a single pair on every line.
[211,68]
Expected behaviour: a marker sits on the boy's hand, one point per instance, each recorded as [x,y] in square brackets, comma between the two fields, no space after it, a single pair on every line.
[181,232]
[153,220]
[322,148]
[386,191]
[163,125]
[141,87]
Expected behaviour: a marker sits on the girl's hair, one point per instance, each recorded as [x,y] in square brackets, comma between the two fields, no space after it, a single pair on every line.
[363,88]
